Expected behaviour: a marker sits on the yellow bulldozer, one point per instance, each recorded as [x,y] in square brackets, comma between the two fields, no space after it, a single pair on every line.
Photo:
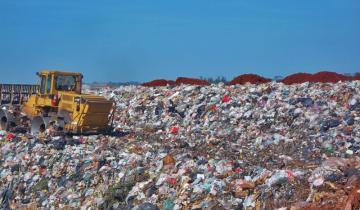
[56,104]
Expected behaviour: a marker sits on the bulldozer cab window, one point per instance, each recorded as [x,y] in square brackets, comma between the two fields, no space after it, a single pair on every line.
[42,85]
[48,84]
[65,82]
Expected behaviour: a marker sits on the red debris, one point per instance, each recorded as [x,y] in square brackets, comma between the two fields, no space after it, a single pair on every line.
[229,163]
[10,136]
[290,174]
[326,76]
[251,78]
[238,170]
[296,78]
[226,99]
[191,81]
[25,157]
[174,130]
[159,82]
[213,108]
[171,181]
[42,170]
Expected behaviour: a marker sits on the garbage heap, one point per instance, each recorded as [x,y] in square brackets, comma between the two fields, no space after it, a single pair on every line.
[265,146]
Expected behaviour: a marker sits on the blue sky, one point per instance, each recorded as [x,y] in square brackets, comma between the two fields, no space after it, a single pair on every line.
[116,40]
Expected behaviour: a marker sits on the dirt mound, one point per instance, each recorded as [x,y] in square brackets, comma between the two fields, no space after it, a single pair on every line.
[191,81]
[296,78]
[356,77]
[327,76]
[251,78]
[323,76]
[159,82]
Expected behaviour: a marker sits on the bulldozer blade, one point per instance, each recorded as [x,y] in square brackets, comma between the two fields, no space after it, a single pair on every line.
[39,124]
[7,120]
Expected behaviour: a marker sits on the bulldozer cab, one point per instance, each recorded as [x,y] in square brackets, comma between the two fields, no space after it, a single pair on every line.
[53,82]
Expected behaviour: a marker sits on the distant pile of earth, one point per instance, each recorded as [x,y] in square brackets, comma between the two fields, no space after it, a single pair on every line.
[323,77]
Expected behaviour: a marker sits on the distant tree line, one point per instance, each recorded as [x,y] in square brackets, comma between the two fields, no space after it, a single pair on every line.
[214,80]
[116,84]
[113,84]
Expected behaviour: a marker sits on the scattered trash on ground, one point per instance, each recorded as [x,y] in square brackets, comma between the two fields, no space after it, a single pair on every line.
[252,146]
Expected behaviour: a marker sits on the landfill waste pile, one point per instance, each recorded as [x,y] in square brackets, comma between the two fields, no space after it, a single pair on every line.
[251,146]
